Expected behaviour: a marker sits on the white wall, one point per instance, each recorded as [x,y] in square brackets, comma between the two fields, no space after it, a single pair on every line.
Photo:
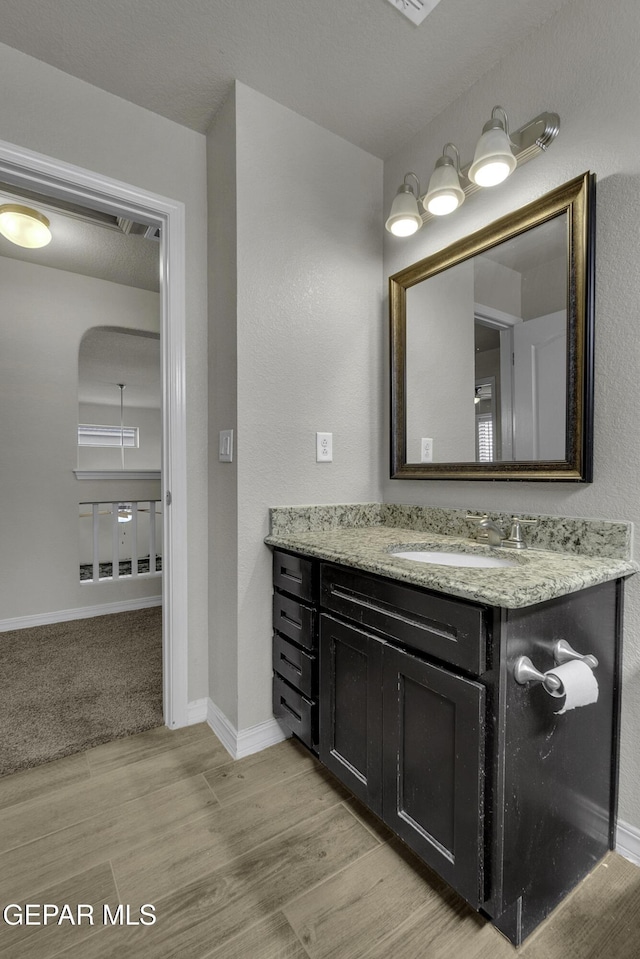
[308,342]
[440,364]
[583,64]
[146,456]
[44,314]
[48,111]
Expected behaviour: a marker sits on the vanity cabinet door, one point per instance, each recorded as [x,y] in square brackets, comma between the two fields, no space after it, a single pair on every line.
[433,773]
[351,709]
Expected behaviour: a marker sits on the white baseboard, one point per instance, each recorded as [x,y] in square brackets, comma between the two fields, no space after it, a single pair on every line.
[245,741]
[197,711]
[628,842]
[82,612]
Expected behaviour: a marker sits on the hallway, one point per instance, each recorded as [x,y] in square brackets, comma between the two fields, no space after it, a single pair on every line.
[69,686]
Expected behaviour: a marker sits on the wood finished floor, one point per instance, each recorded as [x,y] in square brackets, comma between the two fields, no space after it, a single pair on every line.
[263,858]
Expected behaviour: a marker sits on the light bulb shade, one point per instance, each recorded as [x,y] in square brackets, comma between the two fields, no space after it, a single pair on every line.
[404,218]
[24,226]
[445,193]
[493,160]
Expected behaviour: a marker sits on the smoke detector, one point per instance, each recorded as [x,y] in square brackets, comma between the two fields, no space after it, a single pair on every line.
[415,10]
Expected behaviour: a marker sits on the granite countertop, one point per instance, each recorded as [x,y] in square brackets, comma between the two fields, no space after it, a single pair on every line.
[538,574]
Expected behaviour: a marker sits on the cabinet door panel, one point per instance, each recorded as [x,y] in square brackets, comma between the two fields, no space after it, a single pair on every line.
[351,709]
[434,767]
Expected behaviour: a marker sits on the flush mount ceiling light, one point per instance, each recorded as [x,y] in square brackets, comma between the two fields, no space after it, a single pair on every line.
[24,226]
[445,194]
[497,155]
[405,218]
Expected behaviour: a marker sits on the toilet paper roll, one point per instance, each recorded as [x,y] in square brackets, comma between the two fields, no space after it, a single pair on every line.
[579,685]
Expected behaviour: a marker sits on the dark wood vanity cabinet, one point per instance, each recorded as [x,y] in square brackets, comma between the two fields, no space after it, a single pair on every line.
[295,645]
[421,718]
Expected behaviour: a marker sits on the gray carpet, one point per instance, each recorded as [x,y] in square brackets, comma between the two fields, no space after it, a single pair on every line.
[70,686]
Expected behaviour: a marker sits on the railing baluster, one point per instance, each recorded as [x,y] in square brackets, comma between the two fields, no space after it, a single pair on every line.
[96,541]
[115,542]
[152,536]
[134,539]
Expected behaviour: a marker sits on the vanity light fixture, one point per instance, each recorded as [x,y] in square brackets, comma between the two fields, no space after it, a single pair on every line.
[497,154]
[493,160]
[24,226]
[444,194]
[405,218]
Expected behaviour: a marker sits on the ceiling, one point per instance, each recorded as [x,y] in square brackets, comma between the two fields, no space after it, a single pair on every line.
[357,67]
[88,243]
[108,357]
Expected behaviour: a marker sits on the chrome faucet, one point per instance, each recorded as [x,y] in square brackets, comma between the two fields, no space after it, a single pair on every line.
[490,533]
[487,531]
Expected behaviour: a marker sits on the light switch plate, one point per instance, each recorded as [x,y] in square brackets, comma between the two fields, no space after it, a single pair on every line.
[225,450]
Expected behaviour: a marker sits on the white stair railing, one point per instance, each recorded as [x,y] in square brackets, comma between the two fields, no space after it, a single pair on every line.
[109,521]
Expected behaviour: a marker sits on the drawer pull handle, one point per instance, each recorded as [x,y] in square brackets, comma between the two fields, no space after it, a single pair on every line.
[290,619]
[286,705]
[290,664]
[289,574]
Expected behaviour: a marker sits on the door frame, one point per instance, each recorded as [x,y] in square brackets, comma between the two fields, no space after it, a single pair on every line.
[56,178]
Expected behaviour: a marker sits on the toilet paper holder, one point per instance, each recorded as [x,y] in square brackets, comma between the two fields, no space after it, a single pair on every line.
[525,672]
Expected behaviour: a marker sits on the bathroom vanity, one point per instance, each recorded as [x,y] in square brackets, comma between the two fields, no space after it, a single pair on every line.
[400,677]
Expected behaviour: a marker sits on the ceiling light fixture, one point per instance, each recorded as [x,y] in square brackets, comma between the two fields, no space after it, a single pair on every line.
[493,160]
[445,194]
[497,155]
[24,226]
[405,218]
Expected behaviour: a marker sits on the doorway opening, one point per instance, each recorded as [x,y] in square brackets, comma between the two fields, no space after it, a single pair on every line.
[63,183]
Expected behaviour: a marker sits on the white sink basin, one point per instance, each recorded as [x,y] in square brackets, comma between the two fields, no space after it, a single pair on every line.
[453,559]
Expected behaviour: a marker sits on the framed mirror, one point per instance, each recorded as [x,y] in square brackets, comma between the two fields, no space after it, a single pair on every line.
[492,349]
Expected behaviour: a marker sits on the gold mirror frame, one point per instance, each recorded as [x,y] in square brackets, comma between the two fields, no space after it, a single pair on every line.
[577,199]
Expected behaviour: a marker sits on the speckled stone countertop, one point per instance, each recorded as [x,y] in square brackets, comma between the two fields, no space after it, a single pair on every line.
[363,536]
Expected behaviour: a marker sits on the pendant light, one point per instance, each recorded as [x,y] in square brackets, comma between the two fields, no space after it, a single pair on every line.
[23,226]
[405,218]
[445,193]
[493,160]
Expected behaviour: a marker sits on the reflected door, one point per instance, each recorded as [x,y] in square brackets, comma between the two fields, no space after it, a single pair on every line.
[539,394]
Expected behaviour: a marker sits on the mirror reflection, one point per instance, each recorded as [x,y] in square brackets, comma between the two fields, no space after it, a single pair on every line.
[486,354]
[492,349]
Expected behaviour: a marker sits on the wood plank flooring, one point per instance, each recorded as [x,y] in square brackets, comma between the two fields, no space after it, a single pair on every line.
[264,858]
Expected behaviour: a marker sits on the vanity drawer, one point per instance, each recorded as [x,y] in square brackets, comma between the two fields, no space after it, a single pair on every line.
[294,575]
[296,666]
[294,620]
[295,711]
[453,631]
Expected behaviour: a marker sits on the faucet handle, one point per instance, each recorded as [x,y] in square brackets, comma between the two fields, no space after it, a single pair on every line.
[515,539]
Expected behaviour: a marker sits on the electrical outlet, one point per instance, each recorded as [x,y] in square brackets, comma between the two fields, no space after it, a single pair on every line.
[426,449]
[324,447]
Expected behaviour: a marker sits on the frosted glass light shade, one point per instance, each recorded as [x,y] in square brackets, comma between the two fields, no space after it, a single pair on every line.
[404,218]
[445,193]
[24,226]
[493,160]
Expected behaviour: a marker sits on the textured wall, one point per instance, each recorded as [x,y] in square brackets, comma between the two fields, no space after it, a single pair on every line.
[48,111]
[583,64]
[308,350]
[223,412]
